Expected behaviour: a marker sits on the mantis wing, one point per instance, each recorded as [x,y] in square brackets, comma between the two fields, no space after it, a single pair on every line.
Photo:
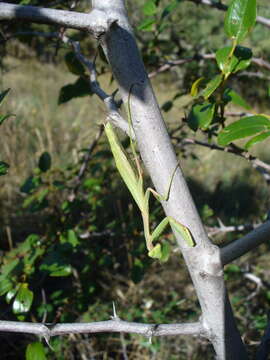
[124,167]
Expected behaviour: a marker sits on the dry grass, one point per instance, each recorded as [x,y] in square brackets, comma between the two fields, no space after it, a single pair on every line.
[40,124]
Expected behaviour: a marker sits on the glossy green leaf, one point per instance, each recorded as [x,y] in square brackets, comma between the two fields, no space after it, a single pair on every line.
[231,95]
[3,95]
[257,139]
[3,168]
[35,351]
[212,85]
[45,161]
[23,299]
[78,89]
[240,18]
[242,128]
[201,116]
[240,59]
[73,64]
[11,293]
[150,8]
[147,25]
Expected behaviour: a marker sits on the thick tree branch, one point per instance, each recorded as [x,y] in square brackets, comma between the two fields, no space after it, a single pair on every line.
[248,242]
[115,325]
[95,22]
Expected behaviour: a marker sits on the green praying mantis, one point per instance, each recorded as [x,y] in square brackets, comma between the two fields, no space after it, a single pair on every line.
[133,179]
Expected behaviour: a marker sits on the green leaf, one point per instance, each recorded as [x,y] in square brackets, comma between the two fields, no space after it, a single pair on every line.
[240,59]
[240,18]
[150,8]
[195,86]
[4,117]
[3,168]
[73,64]
[167,106]
[70,237]
[242,128]
[23,299]
[45,161]
[30,184]
[5,285]
[61,271]
[80,88]
[11,293]
[257,139]
[201,116]
[147,25]
[3,95]
[169,8]
[231,95]
[212,86]
[56,264]
[35,351]
[7,268]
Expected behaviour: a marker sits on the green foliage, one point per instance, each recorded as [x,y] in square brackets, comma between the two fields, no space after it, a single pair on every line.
[155,15]
[212,86]
[201,116]
[229,62]
[60,250]
[240,18]
[247,126]
[35,351]
[231,96]
[3,168]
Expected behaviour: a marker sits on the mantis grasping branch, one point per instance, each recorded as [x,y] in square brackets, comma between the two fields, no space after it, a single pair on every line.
[134,181]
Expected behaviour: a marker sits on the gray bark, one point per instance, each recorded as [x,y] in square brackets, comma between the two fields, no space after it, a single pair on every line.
[203,261]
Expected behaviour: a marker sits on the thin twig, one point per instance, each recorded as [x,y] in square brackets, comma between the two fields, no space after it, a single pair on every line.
[86,159]
[231,228]
[168,65]
[112,107]
[256,163]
